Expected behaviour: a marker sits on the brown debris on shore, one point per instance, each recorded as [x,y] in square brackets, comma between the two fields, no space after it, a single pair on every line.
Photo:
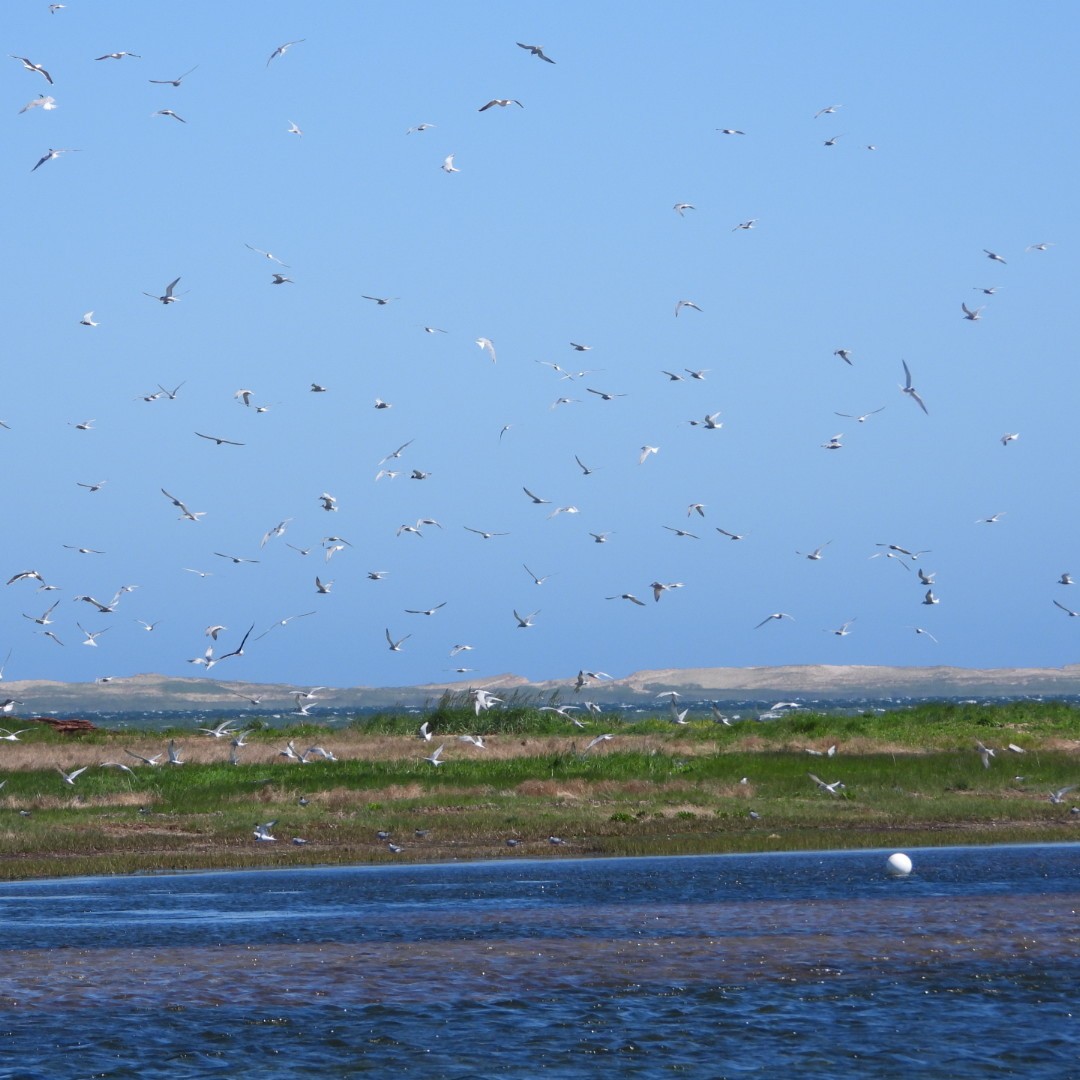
[64,726]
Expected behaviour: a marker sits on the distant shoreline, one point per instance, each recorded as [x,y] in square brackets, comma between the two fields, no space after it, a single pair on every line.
[152,692]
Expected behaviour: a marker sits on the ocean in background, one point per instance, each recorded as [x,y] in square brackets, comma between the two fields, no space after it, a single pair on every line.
[711,966]
[736,710]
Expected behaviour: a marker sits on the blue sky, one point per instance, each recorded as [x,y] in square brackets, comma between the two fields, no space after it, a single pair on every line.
[558,228]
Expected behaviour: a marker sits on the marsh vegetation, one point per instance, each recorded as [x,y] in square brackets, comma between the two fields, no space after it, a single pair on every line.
[908,778]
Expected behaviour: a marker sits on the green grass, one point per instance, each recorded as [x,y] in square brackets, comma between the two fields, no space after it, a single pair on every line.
[912,778]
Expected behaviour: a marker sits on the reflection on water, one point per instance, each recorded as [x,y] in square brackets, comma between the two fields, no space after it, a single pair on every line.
[709,966]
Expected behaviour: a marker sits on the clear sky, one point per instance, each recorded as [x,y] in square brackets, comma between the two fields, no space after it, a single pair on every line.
[558,227]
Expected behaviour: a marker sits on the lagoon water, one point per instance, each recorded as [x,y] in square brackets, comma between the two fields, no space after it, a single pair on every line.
[711,966]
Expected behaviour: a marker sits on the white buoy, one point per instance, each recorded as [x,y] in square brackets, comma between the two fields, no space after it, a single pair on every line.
[898,864]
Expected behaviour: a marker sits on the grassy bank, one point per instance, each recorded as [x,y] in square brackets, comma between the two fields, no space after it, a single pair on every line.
[910,778]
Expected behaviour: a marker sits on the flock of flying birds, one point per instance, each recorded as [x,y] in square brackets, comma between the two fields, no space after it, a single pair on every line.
[392,466]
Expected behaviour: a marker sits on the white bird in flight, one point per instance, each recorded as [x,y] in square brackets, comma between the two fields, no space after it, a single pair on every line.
[910,390]
[173,82]
[607,737]
[262,832]
[42,101]
[282,49]
[862,417]
[775,615]
[43,619]
[266,255]
[31,66]
[626,596]
[536,51]
[985,753]
[659,588]
[830,789]
[50,155]
[483,534]
[709,422]
[168,297]
[425,611]
[91,636]
[541,580]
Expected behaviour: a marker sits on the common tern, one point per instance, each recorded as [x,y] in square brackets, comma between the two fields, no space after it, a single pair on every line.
[282,49]
[536,51]
[31,66]
[173,82]
[49,155]
[168,297]
[910,390]
[775,615]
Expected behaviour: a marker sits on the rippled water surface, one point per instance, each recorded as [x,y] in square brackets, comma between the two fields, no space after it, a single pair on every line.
[712,966]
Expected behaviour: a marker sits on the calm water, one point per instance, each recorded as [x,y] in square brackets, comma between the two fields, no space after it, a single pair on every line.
[713,966]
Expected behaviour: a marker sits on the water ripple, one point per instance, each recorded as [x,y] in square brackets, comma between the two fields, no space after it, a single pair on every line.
[703,967]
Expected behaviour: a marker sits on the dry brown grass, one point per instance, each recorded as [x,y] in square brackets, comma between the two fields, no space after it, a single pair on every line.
[1069,746]
[265,749]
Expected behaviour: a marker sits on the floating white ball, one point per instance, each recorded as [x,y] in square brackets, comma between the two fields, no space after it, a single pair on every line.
[899,865]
